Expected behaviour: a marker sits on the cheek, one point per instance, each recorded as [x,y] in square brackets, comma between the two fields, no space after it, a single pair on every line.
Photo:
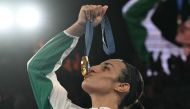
[104,82]
[103,79]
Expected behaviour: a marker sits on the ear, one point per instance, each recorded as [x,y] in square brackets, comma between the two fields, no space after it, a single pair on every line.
[122,87]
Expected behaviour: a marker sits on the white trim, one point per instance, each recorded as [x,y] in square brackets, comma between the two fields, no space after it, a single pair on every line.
[70,35]
[58,97]
[71,47]
[128,5]
[161,45]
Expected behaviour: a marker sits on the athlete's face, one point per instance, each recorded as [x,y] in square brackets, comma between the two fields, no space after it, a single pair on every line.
[103,78]
[183,36]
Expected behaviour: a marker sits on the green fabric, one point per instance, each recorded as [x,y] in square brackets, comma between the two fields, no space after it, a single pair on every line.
[42,64]
[136,31]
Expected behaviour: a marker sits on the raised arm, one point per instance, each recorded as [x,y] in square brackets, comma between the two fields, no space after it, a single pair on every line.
[42,66]
[134,12]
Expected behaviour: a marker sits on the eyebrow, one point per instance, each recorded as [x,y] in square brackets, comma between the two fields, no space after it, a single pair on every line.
[107,63]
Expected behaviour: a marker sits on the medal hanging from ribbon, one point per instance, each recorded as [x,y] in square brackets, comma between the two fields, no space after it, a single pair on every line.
[108,45]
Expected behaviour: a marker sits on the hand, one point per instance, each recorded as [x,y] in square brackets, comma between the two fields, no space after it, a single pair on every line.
[94,13]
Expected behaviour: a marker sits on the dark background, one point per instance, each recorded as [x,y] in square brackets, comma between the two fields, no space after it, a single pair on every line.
[18,46]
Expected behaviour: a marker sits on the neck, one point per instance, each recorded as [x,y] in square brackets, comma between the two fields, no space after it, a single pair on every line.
[109,100]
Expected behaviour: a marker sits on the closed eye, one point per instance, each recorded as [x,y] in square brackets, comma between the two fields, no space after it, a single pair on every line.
[105,67]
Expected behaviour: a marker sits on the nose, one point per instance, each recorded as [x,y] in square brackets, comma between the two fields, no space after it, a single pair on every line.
[94,69]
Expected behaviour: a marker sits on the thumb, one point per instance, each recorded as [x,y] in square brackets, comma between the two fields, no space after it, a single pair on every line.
[104,10]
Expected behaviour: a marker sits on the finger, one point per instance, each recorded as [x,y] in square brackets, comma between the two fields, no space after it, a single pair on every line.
[85,11]
[96,10]
[104,9]
[88,11]
[91,10]
[99,10]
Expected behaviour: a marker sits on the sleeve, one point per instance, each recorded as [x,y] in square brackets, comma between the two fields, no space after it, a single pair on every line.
[134,12]
[48,92]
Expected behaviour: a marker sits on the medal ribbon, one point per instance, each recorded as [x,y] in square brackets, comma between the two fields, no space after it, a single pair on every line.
[109,45]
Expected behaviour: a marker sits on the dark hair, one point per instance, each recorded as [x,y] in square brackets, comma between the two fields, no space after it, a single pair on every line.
[131,75]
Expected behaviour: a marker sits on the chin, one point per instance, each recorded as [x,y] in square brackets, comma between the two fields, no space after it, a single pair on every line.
[86,86]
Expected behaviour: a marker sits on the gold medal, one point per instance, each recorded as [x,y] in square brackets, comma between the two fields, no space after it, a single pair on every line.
[84,65]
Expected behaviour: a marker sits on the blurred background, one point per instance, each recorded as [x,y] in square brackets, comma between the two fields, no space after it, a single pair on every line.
[153,35]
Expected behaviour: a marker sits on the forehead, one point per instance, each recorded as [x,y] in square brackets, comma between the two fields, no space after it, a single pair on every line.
[117,64]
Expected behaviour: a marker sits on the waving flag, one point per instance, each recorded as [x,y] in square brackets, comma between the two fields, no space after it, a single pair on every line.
[145,36]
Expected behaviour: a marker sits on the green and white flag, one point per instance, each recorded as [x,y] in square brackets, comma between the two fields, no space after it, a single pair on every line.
[145,36]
